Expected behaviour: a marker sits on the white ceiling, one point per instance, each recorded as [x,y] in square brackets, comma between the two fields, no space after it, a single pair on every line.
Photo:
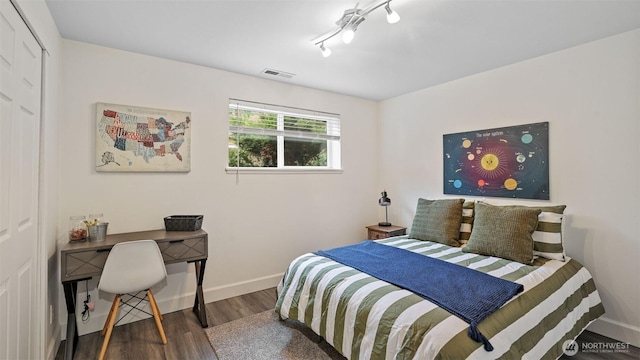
[434,42]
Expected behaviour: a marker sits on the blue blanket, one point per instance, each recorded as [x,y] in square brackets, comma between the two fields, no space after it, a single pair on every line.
[469,294]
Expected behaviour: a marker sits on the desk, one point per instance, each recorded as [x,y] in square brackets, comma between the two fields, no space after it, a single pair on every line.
[84,260]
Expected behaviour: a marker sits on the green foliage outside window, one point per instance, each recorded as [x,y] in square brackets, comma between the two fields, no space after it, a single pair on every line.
[252,150]
[304,152]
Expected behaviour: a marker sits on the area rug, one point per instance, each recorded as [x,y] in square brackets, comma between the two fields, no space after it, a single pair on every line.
[264,337]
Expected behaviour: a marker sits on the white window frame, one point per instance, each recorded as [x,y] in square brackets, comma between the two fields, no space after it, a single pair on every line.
[333,139]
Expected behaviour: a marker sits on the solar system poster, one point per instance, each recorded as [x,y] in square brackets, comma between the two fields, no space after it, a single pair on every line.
[508,162]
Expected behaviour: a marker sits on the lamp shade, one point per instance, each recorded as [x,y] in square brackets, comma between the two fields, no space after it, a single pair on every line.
[384,200]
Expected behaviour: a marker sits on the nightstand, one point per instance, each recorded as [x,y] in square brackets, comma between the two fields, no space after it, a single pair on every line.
[375,232]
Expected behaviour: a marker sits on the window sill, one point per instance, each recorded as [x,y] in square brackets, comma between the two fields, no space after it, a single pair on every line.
[233,171]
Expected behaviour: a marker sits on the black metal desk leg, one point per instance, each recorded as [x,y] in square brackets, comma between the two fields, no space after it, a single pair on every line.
[70,294]
[198,304]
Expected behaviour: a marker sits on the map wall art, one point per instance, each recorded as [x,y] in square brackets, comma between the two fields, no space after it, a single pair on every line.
[131,138]
[508,162]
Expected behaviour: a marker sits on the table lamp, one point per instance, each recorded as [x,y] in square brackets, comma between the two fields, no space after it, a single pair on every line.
[385,201]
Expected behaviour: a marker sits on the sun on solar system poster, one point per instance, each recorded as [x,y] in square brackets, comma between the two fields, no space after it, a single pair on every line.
[508,162]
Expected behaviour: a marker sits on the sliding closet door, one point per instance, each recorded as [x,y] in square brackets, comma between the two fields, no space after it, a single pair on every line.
[20,83]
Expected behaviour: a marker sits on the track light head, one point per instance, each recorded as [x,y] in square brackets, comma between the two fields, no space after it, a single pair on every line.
[326,52]
[392,16]
[348,35]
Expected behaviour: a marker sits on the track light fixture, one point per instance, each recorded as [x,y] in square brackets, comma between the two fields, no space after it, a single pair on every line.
[349,22]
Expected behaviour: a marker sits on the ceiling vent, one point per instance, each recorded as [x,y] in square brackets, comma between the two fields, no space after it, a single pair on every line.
[278,73]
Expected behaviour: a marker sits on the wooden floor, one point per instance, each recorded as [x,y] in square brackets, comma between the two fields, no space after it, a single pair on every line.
[185,336]
[187,340]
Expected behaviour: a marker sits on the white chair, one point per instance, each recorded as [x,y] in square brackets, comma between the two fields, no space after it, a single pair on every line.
[131,267]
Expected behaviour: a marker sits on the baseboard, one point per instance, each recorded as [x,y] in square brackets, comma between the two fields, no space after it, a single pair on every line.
[227,291]
[54,345]
[241,288]
[185,301]
[616,330]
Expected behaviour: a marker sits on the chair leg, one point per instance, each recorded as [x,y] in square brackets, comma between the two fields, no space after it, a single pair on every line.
[154,304]
[157,316]
[104,328]
[110,321]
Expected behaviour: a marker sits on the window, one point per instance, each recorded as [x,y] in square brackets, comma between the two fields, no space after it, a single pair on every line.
[278,137]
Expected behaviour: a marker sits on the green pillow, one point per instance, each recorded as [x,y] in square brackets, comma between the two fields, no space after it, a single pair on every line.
[438,220]
[547,238]
[503,231]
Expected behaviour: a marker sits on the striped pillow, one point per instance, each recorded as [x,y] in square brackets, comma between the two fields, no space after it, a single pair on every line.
[467,222]
[547,239]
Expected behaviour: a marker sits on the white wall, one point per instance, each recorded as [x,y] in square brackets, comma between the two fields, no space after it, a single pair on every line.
[41,23]
[255,227]
[590,95]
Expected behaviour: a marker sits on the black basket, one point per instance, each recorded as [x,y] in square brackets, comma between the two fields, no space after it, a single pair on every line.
[183,222]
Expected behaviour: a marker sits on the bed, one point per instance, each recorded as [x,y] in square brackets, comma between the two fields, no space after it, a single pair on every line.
[364,317]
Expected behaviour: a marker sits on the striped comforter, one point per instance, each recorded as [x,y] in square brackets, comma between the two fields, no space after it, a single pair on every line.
[366,318]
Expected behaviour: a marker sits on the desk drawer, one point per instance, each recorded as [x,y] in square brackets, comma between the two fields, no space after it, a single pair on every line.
[183,250]
[83,264]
